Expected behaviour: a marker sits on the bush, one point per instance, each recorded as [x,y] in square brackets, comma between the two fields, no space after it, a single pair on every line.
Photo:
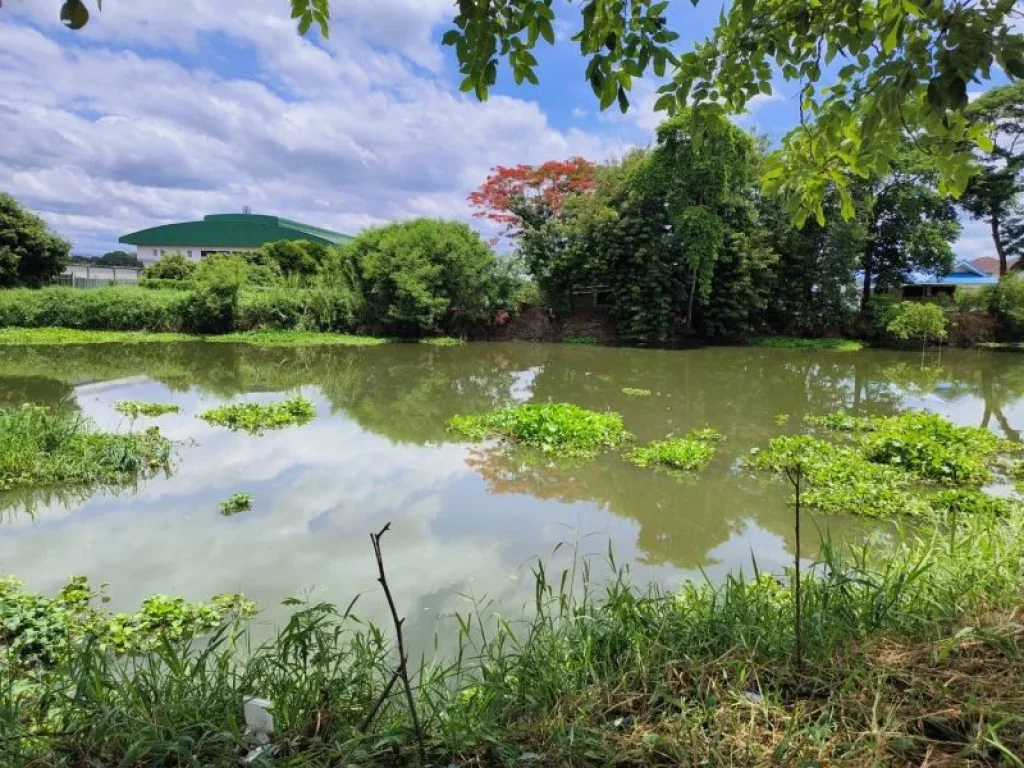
[30,254]
[213,304]
[173,266]
[163,284]
[291,257]
[1007,304]
[122,308]
[424,275]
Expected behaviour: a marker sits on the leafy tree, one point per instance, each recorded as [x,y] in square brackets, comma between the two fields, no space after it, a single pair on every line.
[172,266]
[214,301]
[527,195]
[292,257]
[30,254]
[119,259]
[1007,304]
[868,73]
[424,275]
[910,225]
[994,195]
[918,319]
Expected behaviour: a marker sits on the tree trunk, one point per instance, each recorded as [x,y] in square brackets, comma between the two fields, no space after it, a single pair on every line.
[868,266]
[689,309]
[1000,251]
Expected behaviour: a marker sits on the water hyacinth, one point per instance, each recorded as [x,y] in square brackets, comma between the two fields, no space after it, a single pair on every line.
[694,451]
[255,418]
[133,409]
[559,429]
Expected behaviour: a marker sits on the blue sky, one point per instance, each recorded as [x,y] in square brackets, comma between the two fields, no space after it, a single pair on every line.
[165,110]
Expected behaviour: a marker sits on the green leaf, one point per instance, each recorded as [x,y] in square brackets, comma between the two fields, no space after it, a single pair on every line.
[623,100]
[305,23]
[546,30]
[451,37]
[665,102]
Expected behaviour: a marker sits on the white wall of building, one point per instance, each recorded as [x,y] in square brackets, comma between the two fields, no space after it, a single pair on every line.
[147,254]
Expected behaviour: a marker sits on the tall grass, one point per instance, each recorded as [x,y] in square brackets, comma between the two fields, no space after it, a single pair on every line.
[593,674]
[43,447]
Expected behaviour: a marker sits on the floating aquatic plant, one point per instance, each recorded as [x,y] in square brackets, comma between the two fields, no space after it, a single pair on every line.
[255,418]
[635,392]
[134,408]
[235,503]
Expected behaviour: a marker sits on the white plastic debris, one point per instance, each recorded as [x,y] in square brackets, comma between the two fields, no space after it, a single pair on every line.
[259,723]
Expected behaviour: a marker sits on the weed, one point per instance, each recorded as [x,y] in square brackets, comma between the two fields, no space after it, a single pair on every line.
[42,447]
[634,392]
[134,408]
[235,503]
[298,339]
[558,429]
[674,453]
[254,418]
[794,342]
[59,336]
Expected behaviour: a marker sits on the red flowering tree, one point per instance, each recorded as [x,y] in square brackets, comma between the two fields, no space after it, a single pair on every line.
[521,195]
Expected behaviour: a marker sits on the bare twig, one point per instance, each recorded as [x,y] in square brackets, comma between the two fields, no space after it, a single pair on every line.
[380,701]
[796,476]
[403,670]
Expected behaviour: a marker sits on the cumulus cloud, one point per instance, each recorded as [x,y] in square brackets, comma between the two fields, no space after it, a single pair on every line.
[140,120]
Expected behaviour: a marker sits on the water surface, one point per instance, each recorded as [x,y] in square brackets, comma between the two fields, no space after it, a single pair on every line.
[468,522]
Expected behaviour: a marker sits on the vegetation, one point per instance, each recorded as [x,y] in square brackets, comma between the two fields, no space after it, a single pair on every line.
[694,451]
[1007,302]
[794,342]
[61,336]
[584,340]
[133,408]
[171,266]
[636,392]
[44,447]
[255,418]
[559,429]
[235,503]
[442,341]
[298,338]
[916,319]
[30,254]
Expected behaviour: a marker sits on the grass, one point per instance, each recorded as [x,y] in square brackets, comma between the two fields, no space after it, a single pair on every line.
[255,418]
[795,342]
[635,392]
[586,340]
[297,338]
[914,648]
[557,429]
[56,336]
[235,503]
[41,447]
[133,409]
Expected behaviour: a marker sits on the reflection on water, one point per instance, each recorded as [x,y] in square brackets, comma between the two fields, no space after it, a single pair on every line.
[466,519]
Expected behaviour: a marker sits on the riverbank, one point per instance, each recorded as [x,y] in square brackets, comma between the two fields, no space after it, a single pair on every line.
[912,653]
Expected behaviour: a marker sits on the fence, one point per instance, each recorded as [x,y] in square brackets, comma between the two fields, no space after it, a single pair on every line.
[89,276]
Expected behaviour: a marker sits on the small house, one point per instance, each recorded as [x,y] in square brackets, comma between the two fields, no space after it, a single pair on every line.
[929,285]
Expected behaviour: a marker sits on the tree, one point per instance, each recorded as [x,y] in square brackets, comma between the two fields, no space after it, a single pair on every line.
[30,254]
[527,195]
[424,275]
[910,225]
[292,257]
[119,259]
[994,194]
[918,319]
[868,73]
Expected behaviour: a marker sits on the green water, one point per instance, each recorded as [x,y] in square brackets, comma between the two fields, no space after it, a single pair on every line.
[468,521]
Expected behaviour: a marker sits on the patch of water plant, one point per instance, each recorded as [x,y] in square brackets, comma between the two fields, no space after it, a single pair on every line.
[235,503]
[681,454]
[40,446]
[558,429]
[442,341]
[255,418]
[133,409]
[635,392]
[36,629]
[587,340]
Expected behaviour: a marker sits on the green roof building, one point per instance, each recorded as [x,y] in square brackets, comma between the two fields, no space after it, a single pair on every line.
[224,233]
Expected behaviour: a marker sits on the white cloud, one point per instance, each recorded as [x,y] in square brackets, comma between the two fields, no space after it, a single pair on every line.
[102,137]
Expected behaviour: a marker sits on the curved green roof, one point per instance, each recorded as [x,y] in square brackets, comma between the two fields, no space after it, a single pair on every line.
[232,230]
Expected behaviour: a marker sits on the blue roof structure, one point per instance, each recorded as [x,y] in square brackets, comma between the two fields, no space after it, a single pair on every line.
[963,273]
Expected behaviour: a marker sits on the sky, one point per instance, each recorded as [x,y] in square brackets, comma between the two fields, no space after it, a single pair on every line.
[167,110]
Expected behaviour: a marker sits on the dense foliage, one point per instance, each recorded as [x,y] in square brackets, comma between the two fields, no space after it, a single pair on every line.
[171,266]
[678,454]
[30,254]
[918,320]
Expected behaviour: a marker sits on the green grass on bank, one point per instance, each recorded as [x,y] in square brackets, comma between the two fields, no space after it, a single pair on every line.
[297,339]
[54,336]
[794,342]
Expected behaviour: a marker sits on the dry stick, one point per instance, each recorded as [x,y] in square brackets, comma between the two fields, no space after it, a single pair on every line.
[795,475]
[380,701]
[402,670]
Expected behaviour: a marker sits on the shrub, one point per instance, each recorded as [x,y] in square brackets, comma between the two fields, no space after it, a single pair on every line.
[918,319]
[424,275]
[122,308]
[1007,304]
[291,257]
[165,284]
[561,429]
[173,266]
[30,254]
[214,302]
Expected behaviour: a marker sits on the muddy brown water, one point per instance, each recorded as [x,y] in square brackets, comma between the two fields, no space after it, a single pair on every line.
[468,522]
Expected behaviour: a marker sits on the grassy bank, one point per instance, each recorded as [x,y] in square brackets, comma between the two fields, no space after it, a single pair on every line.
[913,654]
[270,338]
